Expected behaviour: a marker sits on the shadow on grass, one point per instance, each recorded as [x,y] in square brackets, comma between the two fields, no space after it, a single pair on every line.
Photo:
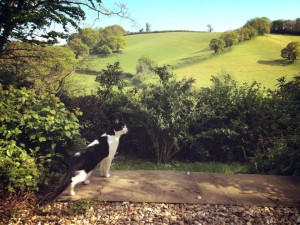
[277,62]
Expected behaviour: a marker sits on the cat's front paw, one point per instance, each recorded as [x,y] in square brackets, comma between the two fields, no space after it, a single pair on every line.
[72,193]
[87,182]
[107,175]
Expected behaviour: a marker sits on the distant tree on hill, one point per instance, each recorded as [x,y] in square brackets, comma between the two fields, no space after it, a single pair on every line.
[210,28]
[230,38]
[291,51]
[217,45]
[145,65]
[78,47]
[148,27]
[103,41]
[285,26]
[262,25]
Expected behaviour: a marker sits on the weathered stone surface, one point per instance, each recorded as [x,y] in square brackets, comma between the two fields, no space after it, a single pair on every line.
[192,188]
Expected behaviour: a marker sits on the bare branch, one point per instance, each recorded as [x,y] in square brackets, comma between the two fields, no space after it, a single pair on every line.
[121,11]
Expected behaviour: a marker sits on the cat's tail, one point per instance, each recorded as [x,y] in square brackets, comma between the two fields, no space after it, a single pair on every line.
[66,181]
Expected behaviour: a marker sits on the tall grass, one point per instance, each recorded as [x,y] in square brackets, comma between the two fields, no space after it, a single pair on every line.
[122,163]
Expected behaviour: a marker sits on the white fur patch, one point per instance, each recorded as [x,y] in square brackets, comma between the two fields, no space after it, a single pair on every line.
[95,142]
[77,154]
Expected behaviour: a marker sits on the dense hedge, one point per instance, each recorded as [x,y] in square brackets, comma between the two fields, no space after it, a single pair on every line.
[225,122]
[229,122]
[35,135]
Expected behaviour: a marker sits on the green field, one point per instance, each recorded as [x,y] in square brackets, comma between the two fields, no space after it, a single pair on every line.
[258,59]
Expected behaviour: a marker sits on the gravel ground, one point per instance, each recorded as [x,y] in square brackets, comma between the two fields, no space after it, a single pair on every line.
[93,212]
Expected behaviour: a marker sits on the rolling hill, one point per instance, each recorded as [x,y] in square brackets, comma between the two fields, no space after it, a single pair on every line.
[188,52]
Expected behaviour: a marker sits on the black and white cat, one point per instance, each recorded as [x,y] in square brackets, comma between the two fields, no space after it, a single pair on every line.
[84,162]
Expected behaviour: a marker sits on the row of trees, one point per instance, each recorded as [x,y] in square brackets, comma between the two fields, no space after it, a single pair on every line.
[103,41]
[285,26]
[253,27]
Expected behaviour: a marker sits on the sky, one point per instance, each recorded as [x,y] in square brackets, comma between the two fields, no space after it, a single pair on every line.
[195,15]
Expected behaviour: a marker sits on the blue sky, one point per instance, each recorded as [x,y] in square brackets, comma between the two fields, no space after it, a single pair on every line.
[195,15]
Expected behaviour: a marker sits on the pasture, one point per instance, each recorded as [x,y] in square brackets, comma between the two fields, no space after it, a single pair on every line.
[189,54]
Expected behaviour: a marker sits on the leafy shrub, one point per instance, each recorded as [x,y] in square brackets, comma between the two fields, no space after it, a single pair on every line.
[93,119]
[278,149]
[103,50]
[224,129]
[18,169]
[38,129]
[145,65]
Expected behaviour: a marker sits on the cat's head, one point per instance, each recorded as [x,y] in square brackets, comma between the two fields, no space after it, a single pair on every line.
[119,127]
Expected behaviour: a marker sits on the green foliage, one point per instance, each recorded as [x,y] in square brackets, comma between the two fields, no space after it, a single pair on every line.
[278,147]
[224,129]
[145,65]
[38,130]
[262,25]
[286,26]
[217,45]
[93,119]
[103,41]
[109,78]
[45,69]
[103,50]
[291,51]
[18,170]
[30,21]
[230,38]
[168,110]
[79,48]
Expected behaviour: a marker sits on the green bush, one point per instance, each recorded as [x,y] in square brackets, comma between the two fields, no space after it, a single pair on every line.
[18,169]
[225,128]
[38,129]
[278,148]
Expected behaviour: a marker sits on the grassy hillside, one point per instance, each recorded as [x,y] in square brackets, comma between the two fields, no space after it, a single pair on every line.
[258,59]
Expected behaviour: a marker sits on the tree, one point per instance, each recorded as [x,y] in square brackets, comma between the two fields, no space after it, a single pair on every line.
[89,37]
[45,69]
[247,32]
[109,78]
[230,38]
[112,39]
[145,65]
[30,20]
[78,47]
[148,27]
[210,28]
[277,26]
[291,51]
[217,45]
[168,109]
[262,25]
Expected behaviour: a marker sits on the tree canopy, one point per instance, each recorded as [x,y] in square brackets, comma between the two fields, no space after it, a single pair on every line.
[30,20]
[103,41]
[262,25]
[291,51]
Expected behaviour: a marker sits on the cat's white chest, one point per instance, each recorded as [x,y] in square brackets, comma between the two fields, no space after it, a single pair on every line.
[113,143]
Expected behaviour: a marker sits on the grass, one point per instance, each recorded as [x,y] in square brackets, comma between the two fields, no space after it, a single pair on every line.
[121,163]
[258,59]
